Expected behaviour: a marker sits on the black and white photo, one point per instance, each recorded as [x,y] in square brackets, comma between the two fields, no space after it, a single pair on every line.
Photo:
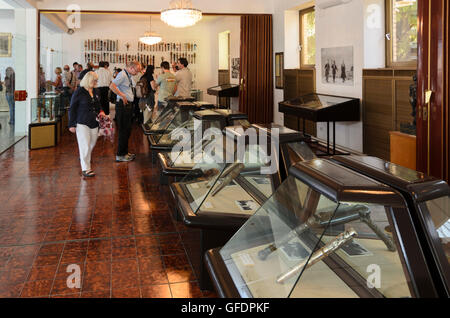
[235,65]
[247,205]
[355,248]
[337,66]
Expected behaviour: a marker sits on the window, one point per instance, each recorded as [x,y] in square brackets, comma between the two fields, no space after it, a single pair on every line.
[401,35]
[308,38]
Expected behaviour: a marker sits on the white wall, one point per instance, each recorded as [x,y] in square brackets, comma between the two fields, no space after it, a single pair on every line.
[286,39]
[127,28]
[343,25]
[232,24]
[374,32]
[51,48]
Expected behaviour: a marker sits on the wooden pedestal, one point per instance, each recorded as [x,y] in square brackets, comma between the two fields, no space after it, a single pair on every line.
[42,135]
[403,149]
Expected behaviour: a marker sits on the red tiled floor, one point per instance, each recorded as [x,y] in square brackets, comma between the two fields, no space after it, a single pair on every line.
[40,288]
[156,291]
[186,290]
[126,293]
[116,227]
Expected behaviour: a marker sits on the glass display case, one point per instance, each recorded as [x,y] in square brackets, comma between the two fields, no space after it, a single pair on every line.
[294,146]
[326,232]
[46,124]
[234,118]
[428,201]
[323,108]
[226,193]
[218,202]
[185,118]
[292,149]
[46,108]
[157,113]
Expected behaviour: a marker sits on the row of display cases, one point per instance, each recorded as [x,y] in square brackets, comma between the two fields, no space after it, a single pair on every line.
[340,226]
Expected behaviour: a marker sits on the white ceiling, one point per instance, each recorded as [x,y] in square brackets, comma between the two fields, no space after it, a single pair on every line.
[58,19]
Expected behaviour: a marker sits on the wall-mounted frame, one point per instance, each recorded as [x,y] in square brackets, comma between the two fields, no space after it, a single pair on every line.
[279,67]
[5,44]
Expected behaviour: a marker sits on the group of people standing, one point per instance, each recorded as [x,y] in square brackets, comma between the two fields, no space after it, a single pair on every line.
[93,97]
[334,70]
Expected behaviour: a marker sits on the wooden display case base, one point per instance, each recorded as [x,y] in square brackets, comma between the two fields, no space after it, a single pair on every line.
[42,135]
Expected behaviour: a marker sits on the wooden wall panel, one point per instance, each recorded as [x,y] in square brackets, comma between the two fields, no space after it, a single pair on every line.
[385,106]
[224,78]
[377,117]
[290,84]
[298,83]
[403,109]
[291,122]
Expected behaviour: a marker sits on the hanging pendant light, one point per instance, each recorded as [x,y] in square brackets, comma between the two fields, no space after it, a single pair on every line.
[181,14]
[150,37]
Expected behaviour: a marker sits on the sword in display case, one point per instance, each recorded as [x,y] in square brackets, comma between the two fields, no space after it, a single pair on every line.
[294,233]
[351,213]
[231,173]
[200,145]
[319,255]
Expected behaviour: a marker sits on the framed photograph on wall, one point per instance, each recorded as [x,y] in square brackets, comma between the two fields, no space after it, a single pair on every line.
[5,44]
[337,66]
[279,67]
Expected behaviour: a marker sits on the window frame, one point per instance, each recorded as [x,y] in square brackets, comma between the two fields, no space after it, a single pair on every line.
[301,14]
[389,43]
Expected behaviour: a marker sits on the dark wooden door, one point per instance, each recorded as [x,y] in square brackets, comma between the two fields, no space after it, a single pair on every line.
[433,77]
[256,94]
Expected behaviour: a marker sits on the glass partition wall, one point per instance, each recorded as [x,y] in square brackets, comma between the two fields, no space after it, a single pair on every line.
[13,76]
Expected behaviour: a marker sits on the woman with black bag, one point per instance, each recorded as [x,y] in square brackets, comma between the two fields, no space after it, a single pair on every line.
[84,109]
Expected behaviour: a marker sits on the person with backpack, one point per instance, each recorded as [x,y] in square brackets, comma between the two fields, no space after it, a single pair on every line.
[104,80]
[145,89]
[166,82]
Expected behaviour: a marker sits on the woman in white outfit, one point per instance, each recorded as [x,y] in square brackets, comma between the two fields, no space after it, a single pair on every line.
[84,108]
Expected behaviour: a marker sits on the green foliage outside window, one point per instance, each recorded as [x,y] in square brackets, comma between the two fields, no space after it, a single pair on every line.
[309,38]
[404,30]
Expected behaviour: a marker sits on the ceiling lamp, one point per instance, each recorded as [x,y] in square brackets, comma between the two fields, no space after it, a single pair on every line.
[181,14]
[150,37]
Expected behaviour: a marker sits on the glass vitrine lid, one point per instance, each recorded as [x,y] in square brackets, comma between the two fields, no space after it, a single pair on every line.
[299,151]
[301,243]
[229,188]
[318,101]
[204,151]
[439,210]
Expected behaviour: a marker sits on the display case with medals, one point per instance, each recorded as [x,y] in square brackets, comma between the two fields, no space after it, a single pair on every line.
[428,201]
[326,232]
